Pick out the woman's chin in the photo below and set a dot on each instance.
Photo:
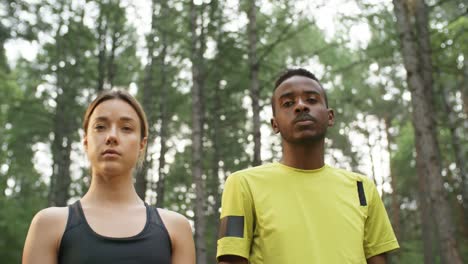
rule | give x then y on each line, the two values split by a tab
112	169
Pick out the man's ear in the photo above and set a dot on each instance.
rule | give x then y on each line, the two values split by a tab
331	117
274	125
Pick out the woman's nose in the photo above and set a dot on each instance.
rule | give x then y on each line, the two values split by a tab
112	137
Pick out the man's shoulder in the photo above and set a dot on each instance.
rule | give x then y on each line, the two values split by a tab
368	184
359	181
260	170
351	174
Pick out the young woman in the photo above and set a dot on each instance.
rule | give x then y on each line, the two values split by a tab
110	224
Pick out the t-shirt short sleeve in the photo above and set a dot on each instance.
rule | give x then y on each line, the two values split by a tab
378	232
236	219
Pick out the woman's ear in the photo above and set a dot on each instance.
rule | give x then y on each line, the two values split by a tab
85	142
143	143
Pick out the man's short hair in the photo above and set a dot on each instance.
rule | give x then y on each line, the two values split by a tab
295	72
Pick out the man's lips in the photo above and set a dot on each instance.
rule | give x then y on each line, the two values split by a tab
304	118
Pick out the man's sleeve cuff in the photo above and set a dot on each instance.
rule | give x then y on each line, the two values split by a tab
233	246
382	248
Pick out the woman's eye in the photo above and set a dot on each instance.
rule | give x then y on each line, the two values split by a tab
99	127
127	128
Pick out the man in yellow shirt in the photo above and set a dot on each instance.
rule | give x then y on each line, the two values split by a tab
300	210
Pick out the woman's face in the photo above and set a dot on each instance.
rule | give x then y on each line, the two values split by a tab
113	141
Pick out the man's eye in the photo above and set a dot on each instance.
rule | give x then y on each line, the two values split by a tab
288	103
311	100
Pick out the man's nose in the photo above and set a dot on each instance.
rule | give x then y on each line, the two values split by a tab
301	106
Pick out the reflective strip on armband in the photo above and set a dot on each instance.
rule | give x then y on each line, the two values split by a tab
231	226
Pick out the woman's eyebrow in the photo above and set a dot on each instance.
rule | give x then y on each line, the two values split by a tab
126	118
101	118
123	118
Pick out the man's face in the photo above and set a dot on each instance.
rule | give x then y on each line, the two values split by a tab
301	114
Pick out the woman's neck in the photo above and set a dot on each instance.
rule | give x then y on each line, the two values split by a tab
112	190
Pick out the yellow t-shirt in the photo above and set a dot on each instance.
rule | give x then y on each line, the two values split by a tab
277	214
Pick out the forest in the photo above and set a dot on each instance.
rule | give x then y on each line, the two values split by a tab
395	73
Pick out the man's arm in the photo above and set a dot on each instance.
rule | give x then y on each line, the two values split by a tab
237	222
378	259
379	237
230	259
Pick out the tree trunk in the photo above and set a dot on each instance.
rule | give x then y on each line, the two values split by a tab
427	150
424	46
216	125
215	164
102	32
197	135
393	181
115	32
254	82
371	156
3	59
458	151
217	157
160	187
61	148
464	125
164	117
395	211
464	89
148	104
426	218
141	180
61	145
111	64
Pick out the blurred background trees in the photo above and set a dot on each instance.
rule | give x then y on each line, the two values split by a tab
395	73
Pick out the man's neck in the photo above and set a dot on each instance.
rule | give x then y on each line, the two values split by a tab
304	156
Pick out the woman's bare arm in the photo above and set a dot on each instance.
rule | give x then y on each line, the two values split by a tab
183	247
44	236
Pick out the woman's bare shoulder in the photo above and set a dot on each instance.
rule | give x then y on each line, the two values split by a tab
180	232
52	214
171	217
52	219
44	235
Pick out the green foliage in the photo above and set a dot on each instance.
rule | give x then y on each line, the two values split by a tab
404	164
22	192
410	252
